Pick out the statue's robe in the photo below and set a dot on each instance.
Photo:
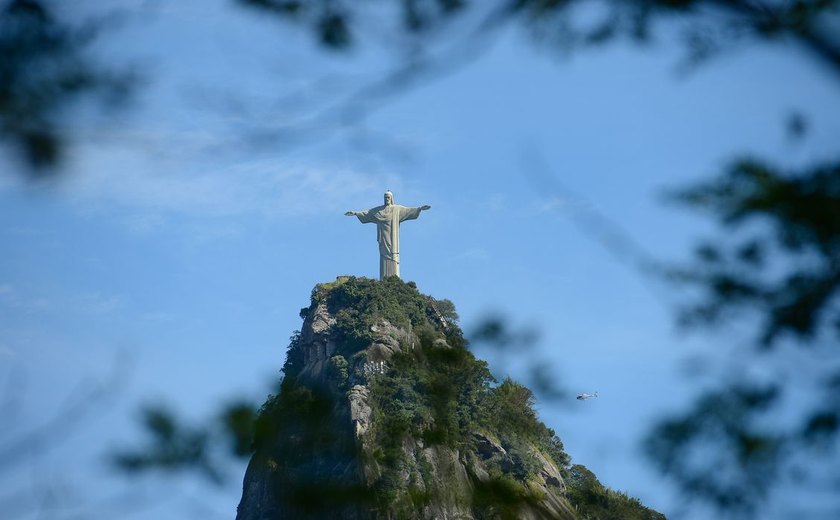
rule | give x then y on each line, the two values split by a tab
387	219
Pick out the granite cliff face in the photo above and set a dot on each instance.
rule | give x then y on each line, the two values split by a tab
384	413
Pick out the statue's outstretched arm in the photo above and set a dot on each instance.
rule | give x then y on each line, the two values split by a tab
409	213
364	217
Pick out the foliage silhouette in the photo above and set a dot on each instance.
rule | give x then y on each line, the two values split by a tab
595	502
44	71
777	262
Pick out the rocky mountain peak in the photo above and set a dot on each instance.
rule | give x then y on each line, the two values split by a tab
384	413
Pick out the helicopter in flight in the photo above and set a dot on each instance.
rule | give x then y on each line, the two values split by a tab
585	396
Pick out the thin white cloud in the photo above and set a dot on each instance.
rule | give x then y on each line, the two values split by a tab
97	303
158	316
197	234
7	351
475	253
11	298
496	202
554	204
144	223
566	204
266	188
24	231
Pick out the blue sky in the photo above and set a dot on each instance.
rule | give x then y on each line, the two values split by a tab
174	248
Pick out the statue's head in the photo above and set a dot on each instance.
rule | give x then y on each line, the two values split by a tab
389	198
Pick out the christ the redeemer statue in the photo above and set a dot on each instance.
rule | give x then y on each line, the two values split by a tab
387	219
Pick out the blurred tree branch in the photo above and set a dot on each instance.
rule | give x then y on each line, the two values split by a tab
44	72
789	269
777	263
76	408
86	403
173	446
45	69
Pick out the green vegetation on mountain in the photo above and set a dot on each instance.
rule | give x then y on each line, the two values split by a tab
593	501
433	394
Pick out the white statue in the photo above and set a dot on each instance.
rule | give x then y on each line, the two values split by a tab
387	219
